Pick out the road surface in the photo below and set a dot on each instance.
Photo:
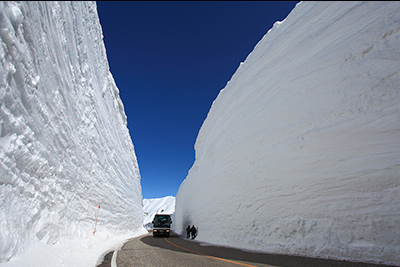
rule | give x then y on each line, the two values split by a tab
147	251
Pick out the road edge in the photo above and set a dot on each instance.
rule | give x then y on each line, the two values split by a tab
114	259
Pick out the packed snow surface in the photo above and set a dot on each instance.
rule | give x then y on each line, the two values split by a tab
69	178
151	207
300	152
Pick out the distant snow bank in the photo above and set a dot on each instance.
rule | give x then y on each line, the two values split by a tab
300	152
65	148
151	207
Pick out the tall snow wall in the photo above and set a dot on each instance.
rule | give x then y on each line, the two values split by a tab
300	152
65	148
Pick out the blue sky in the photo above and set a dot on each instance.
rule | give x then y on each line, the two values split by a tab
169	60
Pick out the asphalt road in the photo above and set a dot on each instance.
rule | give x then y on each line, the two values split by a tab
147	251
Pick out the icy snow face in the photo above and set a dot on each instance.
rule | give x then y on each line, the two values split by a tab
64	145
151	207
300	153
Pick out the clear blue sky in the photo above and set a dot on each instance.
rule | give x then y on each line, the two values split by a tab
169	60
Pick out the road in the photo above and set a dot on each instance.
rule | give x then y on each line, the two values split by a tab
147	251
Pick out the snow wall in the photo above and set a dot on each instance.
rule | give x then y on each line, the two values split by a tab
65	148
300	152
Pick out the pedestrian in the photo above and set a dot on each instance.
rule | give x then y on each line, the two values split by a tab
193	231
188	230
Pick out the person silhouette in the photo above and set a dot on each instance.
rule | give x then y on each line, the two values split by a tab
193	231
188	230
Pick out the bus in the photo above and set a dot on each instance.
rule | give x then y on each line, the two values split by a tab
162	225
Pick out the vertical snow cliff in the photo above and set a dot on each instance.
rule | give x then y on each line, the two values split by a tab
64	145
300	152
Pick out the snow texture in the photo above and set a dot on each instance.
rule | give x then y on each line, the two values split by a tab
65	147
151	207
300	152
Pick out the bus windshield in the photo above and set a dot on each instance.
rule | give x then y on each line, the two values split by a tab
162	221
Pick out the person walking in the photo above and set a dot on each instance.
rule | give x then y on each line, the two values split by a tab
188	230
193	231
